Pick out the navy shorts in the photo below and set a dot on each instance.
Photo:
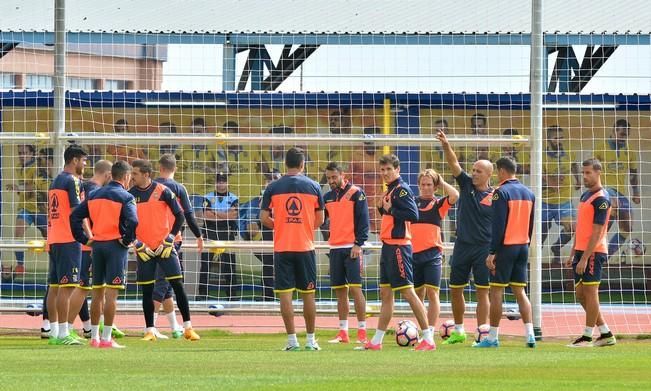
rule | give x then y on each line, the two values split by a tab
511	266
396	267
344	270
592	273
85	272
162	288
146	271
427	268
65	262
295	270
109	264
467	258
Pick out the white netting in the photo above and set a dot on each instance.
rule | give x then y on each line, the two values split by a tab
585	128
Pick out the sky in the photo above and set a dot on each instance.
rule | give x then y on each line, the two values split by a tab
401	68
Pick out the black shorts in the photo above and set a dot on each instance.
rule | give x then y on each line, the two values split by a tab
146	271
396	267
295	270
344	270
162	288
85	273
427	268
467	258
109	264
592	273
511	266
65	262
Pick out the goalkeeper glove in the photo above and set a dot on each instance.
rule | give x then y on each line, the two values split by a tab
167	247
144	252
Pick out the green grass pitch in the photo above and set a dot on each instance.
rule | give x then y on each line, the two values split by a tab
222	361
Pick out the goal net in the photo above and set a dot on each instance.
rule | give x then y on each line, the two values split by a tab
230	146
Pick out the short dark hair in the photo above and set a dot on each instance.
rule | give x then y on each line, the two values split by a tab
479	116
441	121
510	132
281	129
594	163
199	121
169	125
121	121
73	151
48	152
371	130
622	123
30	147
390	159
167	161
294	157
120	170
221	177
230	125
143	165
507	163
334	166
554	128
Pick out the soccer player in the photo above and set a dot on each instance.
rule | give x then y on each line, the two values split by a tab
111	211
220	215
426	239
101	176
474	216
433	157
162	289
297	206
619	163
590	252
155	245
347	209
513	206
399	211
64	295
559	167
25	185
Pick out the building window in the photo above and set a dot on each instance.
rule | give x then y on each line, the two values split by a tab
78	83
116	85
38	82
7	80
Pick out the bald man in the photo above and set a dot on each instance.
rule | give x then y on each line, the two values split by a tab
471	247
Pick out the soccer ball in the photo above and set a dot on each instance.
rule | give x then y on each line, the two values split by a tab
446	329
637	247
34	309
216	310
406	333
482	332
512	314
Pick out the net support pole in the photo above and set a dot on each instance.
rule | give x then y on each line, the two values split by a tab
536	87
228	67
59	112
386	123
